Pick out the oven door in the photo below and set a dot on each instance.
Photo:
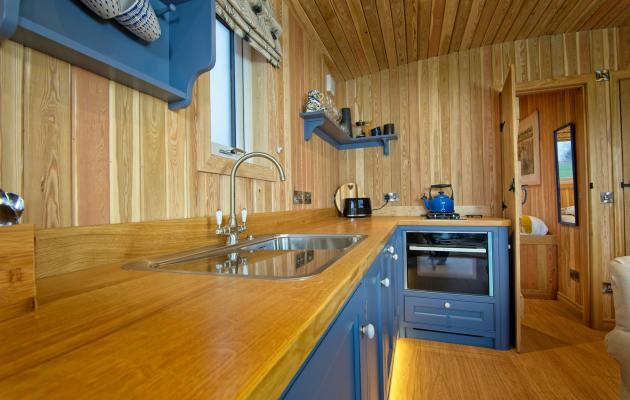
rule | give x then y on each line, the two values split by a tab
451	262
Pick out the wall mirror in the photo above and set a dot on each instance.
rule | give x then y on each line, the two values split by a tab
566	174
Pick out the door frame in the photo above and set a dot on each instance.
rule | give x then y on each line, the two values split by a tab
559	84
615	114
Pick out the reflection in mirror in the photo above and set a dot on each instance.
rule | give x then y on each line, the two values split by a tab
566	174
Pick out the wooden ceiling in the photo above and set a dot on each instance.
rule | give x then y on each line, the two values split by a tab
366	36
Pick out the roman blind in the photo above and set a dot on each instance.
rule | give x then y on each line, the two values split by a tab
254	21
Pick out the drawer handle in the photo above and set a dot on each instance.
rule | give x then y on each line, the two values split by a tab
368	330
448	249
447	305
385	282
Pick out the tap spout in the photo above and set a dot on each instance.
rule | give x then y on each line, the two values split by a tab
232	221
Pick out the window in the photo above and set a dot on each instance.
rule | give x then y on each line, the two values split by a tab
230	93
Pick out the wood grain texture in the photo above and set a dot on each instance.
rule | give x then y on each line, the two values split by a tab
124	154
602	248
563	359
132	159
400	31
539	267
17	271
445	110
510	175
90	148
557	109
47	141
109	325
85	247
11	140
153	158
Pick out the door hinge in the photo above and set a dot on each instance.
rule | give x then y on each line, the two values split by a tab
503	206
591	186
602	75
501	126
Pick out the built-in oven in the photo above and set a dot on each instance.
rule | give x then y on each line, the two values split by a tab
450	262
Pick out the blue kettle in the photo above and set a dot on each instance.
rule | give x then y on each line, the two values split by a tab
441	203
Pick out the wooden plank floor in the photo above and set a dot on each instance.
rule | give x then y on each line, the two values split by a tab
562	359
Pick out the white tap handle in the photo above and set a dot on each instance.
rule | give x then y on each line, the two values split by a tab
219	215
244	215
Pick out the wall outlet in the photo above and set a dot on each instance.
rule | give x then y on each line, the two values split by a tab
391	196
300	197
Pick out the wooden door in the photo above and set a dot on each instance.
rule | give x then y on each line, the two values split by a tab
624	119
510	187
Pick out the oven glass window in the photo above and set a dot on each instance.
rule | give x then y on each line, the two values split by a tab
449	262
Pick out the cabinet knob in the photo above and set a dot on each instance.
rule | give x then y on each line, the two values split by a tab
447	305
395	257
368	330
385	282
390	250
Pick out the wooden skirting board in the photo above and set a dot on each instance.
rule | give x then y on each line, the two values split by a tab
570	305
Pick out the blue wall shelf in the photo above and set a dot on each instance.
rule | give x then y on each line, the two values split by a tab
319	123
166	69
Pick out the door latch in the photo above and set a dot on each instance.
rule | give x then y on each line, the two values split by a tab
606	197
607	287
625	185
602	75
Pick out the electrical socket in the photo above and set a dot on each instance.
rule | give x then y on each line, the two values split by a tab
391	196
300	197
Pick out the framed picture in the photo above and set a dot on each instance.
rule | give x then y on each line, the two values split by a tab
529	149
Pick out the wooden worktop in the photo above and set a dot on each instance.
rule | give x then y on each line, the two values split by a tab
108	333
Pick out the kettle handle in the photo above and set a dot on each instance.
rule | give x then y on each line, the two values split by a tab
442	186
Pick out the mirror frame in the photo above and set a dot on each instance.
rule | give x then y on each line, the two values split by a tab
571	127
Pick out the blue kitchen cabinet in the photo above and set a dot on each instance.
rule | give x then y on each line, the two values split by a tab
390	260
371	377
345	363
333	370
455	285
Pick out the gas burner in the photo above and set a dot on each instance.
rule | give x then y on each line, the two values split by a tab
432	215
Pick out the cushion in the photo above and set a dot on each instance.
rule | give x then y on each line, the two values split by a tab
533	226
620	272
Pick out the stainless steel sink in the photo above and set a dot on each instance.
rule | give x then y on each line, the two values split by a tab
279	256
288	242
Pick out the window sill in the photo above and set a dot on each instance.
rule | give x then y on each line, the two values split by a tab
223	166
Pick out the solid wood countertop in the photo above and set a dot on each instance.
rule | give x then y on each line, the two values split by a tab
166	335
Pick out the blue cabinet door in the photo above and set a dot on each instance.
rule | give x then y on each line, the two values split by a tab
371	377
333	370
388	316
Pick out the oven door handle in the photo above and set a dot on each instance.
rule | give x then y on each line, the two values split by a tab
447	249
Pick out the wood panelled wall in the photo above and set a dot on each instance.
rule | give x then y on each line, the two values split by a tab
83	150
556	109
445	111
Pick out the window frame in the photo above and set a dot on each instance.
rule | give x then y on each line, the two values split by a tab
209	157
